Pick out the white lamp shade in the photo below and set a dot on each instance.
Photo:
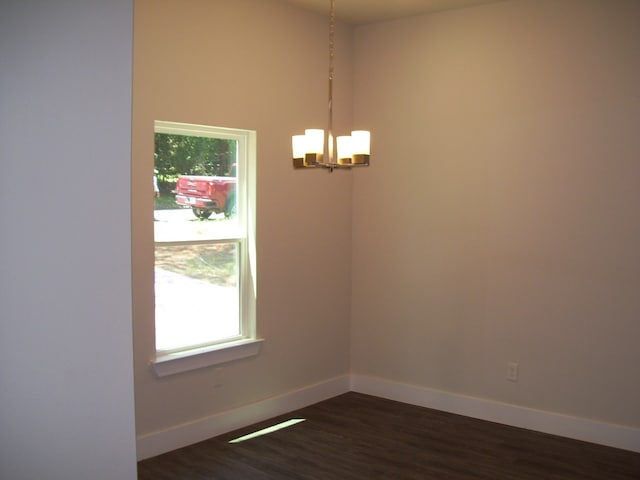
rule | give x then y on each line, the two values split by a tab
315	140
299	144
345	147
361	142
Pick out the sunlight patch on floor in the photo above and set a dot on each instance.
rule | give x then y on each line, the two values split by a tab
265	431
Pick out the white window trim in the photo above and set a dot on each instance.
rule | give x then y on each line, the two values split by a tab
187	360
247	345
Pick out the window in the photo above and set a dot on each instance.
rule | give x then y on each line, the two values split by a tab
204	235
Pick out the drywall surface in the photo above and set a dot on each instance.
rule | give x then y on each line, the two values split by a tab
260	66
66	363
499	219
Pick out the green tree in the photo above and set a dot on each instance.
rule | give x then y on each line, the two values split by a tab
188	155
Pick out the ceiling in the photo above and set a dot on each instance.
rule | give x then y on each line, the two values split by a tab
369	11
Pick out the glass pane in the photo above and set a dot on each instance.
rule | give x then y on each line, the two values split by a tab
195	180
197	294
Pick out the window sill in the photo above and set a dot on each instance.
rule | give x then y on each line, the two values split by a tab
173	363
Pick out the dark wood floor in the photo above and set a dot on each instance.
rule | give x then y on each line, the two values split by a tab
356	436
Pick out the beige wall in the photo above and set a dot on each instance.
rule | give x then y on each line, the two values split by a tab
499	220
259	65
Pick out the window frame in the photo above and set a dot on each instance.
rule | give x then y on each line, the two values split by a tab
246	344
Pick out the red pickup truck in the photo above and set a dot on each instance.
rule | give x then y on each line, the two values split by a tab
206	195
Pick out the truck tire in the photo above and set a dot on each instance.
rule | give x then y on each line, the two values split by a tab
201	213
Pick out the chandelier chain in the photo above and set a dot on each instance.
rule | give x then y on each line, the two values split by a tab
332	28
332	31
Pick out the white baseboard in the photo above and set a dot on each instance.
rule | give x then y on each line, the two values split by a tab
157	443
547	422
617	436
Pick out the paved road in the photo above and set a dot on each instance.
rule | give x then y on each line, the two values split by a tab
181	215
181	224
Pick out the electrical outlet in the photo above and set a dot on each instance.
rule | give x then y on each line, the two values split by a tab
512	371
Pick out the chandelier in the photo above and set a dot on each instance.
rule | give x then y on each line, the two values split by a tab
352	150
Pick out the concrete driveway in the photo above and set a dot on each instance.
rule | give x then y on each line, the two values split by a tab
191	311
